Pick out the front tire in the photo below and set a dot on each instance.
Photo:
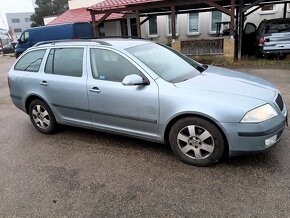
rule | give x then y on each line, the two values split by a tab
42	117
196	141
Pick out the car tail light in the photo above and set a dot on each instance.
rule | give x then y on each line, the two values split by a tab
261	41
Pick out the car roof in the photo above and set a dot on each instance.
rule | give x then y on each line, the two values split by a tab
277	20
119	43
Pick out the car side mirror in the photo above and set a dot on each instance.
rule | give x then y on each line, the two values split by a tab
134	80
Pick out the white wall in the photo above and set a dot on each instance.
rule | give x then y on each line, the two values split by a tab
204	24
46	20
182	26
73	4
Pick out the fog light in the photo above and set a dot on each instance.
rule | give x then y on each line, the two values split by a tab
270	141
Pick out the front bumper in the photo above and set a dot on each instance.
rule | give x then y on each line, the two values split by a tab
245	138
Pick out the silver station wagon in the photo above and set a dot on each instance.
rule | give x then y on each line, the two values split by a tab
147	90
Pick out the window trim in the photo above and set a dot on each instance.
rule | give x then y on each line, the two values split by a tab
64	47
193	33
148	29
211	32
274	11
167	26
127	57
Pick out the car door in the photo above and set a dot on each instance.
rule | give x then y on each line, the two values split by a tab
249	39
126	109
63	84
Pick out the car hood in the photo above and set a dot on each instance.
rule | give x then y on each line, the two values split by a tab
223	80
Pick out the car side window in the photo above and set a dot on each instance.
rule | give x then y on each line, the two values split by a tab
31	61
110	66
65	62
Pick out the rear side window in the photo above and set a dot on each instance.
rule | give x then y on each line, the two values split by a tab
31	61
278	27
65	62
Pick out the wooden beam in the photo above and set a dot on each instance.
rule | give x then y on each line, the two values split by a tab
145	20
173	23
255	9
255	3
163	4
218	7
138	23
93	16
285	10
103	19
241	27
232	23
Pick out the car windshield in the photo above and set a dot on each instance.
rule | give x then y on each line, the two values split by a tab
166	62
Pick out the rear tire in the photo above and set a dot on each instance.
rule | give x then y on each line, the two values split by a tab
196	141
42	117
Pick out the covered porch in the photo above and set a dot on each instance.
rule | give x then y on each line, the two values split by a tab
142	11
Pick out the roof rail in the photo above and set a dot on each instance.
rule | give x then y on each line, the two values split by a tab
71	40
123	37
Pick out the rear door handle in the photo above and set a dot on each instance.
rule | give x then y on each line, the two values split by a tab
95	90
44	83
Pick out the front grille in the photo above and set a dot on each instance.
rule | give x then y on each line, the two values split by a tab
279	102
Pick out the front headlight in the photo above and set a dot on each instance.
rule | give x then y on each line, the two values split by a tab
259	114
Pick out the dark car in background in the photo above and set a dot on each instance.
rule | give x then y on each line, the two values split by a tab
271	38
9	48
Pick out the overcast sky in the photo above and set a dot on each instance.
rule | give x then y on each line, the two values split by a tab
14	6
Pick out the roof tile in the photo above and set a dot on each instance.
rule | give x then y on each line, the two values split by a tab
80	15
107	4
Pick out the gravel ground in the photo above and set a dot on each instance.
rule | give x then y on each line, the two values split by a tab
83	173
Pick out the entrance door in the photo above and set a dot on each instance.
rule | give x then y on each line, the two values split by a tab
133	25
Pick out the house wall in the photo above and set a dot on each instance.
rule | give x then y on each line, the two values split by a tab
204	24
112	28
258	15
73	4
18	27
46	20
182	28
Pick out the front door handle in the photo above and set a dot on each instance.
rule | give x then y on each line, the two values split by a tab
95	90
44	83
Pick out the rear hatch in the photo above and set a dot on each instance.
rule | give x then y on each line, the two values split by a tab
277	36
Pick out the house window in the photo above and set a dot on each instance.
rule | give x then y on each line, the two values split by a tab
216	16
193	23
169	27
268	9
27	20
153	26
15	20
17	30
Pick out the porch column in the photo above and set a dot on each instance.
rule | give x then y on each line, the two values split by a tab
232	23
285	10
93	16
241	27
173	22
138	23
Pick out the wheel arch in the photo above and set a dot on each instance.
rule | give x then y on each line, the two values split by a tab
210	119
31	98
